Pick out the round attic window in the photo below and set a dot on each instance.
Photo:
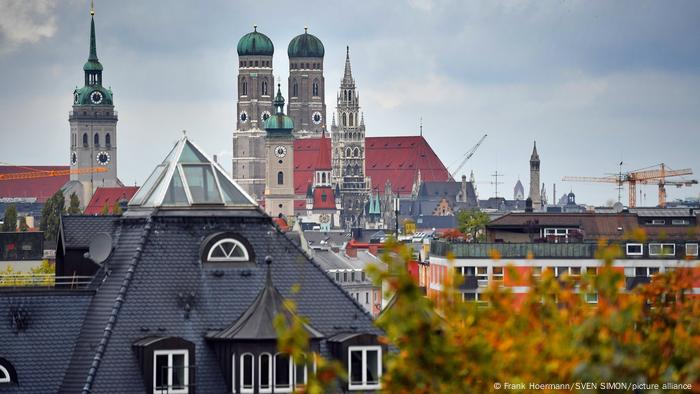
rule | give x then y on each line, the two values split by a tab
228	249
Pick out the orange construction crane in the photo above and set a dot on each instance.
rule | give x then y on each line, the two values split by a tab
656	175
46	174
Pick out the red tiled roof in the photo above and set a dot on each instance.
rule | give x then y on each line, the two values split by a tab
107	196
324	154
319	203
397	159
40	188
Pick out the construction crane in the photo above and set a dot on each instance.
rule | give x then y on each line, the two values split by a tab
467	156
653	175
49	173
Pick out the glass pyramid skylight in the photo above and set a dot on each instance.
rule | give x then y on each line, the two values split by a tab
188	178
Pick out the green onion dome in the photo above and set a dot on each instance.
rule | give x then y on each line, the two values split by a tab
255	44
92	95
305	45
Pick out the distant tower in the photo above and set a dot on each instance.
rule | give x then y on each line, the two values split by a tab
93	129
519	191
307	97
348	153
255	90
535	179
543	196
279	148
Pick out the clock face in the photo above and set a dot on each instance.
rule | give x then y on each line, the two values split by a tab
244	117
73	158
281	151
96	97
325	218
316	117
76	97
265	115
103	158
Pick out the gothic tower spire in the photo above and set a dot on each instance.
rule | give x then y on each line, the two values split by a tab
347	75
535	194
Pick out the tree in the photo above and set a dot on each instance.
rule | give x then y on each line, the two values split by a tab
648	336
23	224
51	215
74	205
473	222
117	208
10	220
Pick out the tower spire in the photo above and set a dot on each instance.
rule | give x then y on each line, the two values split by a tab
347	75
93	42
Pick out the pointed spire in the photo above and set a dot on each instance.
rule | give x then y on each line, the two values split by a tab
93	42
534	156
333	122
279	100
347	76
362	119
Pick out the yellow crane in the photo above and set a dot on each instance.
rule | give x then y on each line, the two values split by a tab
654	175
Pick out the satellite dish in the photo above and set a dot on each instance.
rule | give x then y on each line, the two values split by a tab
100	247
618	207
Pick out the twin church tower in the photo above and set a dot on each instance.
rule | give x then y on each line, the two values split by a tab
307	110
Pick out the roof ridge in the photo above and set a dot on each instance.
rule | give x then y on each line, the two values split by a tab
116	307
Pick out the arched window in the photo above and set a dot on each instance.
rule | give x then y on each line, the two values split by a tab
228	249
314	88
4	375
283	372
244	88
264	88
345	120
96	140
352	116
345	95
295	89
347	152
108	140
265	373
356	152
323	177
280	178
85	139
246	373
8	374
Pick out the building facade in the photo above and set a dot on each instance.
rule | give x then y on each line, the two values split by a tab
255	91
279	148
93	131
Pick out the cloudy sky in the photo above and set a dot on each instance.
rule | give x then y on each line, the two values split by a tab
594	82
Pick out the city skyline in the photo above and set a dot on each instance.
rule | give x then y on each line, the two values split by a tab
591	91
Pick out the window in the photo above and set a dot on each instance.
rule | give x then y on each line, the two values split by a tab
498	274
656	222
680	222
592	298
364	367
283	373
635	249
658	249
244	88
300	372
228	249
337	276
263	88
645	271
85	139
4	375
280	178
691	249
170	371
295	89
265	373
575	271
96	140
247	367
536	272
314	88
482	276
108	140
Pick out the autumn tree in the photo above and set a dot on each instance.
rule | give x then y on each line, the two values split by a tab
117	208
473	222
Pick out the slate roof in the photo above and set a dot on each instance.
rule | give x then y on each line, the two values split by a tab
41	352
78	230
40	188
397	159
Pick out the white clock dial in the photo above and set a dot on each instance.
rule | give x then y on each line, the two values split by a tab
244	117
96	97
281	151
102	158
316	117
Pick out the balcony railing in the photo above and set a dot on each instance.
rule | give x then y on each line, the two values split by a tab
515	250
33	281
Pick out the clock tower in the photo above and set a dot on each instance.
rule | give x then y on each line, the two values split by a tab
93	131
279	148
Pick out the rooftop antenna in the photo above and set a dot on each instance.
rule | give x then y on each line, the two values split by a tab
421	126
495	182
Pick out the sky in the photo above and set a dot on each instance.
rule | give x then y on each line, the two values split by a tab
593	82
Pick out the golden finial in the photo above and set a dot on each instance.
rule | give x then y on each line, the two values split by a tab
92	8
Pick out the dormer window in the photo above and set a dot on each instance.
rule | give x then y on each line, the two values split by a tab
228	249
7	372
170	371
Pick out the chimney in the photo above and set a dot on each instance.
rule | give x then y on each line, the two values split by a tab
528	205
216	159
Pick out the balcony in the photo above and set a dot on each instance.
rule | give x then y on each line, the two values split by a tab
513	251
469	283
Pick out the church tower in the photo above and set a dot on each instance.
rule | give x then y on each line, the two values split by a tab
93	131
279	148
307	97
255	89
348	139
535	179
